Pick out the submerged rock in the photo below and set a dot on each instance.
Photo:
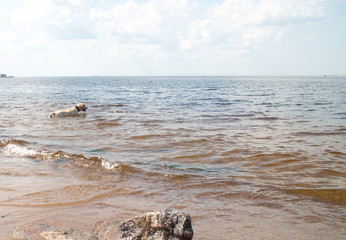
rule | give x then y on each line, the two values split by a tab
165	225
46	232
107	229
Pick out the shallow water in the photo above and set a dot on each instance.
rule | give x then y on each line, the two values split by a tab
247	157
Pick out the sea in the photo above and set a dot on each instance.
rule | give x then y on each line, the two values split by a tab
248	157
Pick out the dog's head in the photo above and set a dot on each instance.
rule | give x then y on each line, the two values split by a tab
81	107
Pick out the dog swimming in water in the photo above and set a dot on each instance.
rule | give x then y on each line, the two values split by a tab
72	111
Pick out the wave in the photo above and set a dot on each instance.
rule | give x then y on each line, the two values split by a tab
108	124
322	103
328	195
21	151
17	148
148	136
322	133
66	196
6	141
109	165
266	118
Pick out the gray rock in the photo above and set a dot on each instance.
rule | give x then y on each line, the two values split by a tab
107	229
166	225
46	232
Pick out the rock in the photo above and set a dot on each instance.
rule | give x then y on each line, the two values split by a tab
46	232
107	229
166	225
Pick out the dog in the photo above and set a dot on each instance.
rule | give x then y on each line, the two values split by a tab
72	111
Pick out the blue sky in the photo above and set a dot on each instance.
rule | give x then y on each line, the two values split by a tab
172	37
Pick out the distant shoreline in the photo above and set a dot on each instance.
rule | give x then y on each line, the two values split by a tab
5	76
183	76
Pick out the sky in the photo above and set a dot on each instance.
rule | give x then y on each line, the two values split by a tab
172	37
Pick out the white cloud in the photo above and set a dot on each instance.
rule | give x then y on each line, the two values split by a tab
77	3
50	18
135	19
161	25
147	30
142	29
242	25
128	19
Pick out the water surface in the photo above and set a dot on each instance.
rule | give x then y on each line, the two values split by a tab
247	157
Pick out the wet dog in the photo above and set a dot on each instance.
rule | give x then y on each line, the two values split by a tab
72	111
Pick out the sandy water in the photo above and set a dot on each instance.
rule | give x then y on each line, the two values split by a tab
247	157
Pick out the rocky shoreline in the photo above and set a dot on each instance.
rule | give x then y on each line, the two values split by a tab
168	224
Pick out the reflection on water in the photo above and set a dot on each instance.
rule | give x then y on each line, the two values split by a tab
248	157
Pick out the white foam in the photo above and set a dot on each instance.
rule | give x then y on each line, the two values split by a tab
109	165
19	151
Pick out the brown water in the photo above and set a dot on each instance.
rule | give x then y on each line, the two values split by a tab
247	157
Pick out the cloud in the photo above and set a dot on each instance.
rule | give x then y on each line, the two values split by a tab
149	27
75	3
238	26
70	32
58	19
233	26
148	30
128	19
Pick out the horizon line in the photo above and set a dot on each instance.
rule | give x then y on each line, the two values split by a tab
205	75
